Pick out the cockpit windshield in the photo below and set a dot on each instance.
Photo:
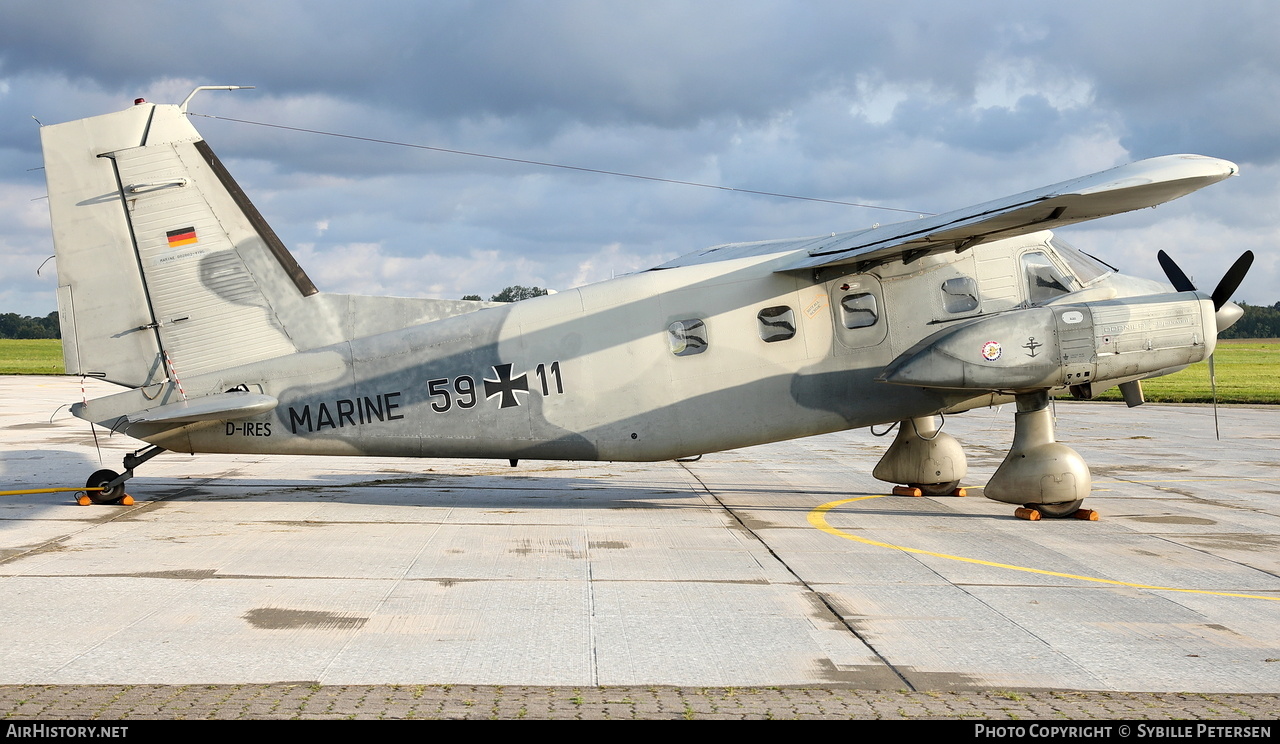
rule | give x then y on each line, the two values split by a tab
1086	268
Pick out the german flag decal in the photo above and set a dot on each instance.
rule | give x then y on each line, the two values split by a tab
182	236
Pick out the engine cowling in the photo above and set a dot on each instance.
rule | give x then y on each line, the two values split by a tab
1063	345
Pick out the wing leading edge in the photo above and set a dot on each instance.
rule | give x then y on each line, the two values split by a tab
1145	183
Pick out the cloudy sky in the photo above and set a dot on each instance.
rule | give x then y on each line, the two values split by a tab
925	106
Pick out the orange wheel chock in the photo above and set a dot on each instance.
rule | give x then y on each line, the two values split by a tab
960	493
126	500
907	491
1031	515
1088	515
84	500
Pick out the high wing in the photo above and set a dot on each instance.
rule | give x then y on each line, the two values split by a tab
1145	183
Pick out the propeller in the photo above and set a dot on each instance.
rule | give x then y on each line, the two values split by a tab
1178	279
1231	280
1222	293
1225	311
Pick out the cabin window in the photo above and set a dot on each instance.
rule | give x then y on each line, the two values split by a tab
1044	280
776	324
687	337
960	294
859	310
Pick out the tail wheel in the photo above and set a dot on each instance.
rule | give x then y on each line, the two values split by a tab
100	479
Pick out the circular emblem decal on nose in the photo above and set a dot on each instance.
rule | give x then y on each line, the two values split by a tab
991	351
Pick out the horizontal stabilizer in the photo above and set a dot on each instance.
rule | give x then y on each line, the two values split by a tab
1145	183
222	406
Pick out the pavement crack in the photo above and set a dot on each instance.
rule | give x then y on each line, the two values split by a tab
821	597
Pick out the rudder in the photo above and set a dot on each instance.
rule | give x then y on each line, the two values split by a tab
159	252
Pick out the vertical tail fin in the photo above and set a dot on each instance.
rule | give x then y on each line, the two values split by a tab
160	252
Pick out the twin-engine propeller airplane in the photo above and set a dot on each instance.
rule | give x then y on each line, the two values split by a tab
171	284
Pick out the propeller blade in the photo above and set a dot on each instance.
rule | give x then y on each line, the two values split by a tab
1213	384
1231	281
1178	279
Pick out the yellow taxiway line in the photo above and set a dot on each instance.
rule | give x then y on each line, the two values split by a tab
47	490
818	518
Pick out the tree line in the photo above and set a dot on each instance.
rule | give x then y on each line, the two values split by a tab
512	294
1259	321
13	325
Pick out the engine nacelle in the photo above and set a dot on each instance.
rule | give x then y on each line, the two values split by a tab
1063	345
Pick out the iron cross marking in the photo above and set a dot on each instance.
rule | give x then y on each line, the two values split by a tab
505	386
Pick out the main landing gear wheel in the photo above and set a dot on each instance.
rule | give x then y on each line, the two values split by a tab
1058	511
1048	478
937	489
99	479
929	460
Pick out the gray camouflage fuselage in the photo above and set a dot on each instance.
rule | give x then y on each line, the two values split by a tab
172	284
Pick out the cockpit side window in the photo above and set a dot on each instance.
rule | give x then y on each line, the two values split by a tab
1045	281
1086	268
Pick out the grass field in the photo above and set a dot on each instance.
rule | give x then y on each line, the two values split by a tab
1248	371
36	357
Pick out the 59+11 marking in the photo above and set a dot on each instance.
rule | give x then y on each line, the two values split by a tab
461	390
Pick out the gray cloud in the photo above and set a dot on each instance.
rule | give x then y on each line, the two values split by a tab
918	105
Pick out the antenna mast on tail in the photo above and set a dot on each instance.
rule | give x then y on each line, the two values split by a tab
183	106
